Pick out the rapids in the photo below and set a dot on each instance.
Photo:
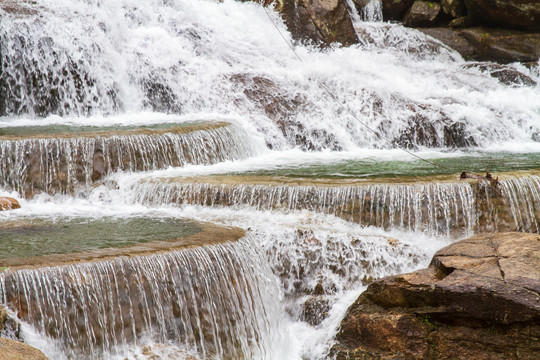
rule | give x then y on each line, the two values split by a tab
327	205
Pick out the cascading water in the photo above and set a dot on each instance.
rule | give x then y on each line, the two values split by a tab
210	300
281	292
70	164
95	57
455	209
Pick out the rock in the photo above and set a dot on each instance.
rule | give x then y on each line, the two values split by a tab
318	21
504	73
454	8
282	108
478	299
315	310
503	46
453	39
461	22
395	9
16	350
518	14
8	203
422	14
423	130
486	44
9	327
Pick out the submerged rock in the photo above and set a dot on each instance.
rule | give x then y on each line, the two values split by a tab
503	73
479	299
315	309
8	203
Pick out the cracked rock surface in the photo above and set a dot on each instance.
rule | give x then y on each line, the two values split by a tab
479	298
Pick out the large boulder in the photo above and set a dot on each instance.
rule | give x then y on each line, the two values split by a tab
318	21
519	14
422	13
488	44
479	299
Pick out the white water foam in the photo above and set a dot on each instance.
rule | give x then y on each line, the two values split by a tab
139	56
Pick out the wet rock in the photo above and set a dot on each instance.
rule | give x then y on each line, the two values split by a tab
422	14
160	97
454	8
282	108
479	298
395	9
503	73
315	309
503	46
317	21
422	129
461	22
9	327
521	14
487	44
8	203
16	350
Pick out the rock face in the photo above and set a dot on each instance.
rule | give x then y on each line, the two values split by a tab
486	44
519	14
322	22
318	21
8	203
479	299
422	13
16	350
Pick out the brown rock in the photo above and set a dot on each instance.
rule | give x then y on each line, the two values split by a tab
454	8
503	46
460	22
487	44
8	203
422	14
315	310
16	350
519	14
505	74
395	9
318	21
479	299
453	39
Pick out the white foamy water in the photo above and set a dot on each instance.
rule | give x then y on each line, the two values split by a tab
133	56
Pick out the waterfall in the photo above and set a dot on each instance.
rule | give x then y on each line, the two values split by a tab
372	11
217	301
87	58
71	164
133	73
453	209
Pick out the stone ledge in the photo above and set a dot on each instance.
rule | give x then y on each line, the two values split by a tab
478	299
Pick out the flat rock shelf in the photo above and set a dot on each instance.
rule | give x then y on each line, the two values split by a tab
38	243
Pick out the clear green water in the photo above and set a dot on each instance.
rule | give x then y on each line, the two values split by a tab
57	129
478	163
43	237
